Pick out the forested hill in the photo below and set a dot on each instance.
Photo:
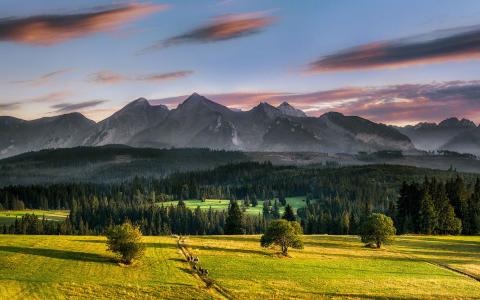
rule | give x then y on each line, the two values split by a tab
112	163
337	199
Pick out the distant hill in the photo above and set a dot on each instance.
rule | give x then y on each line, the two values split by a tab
109	163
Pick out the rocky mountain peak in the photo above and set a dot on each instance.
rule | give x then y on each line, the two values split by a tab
456	123
289	110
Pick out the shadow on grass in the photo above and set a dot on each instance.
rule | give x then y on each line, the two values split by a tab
152	245
230	238
440	245
92	241
177	260
186	270
231	250
360	296
60	254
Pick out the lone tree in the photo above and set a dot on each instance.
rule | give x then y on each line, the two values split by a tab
377	229
283	233
126	241
289	215
234	221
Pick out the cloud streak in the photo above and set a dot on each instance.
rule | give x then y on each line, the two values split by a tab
47	30
219	29
437	47
9	106
71	107
109	77
43	78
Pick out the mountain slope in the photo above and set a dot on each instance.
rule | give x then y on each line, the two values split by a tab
18	136
125	123
465	142
432	136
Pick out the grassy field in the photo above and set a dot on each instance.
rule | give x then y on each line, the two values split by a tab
8	216
222	204
58	267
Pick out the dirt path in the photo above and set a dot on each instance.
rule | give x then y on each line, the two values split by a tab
210	283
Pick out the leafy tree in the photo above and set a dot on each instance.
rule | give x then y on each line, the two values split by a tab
289	215
283	233
125	240
234	223
377	229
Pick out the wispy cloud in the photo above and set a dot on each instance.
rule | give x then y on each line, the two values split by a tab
440	46
220	28
72	107
52	29
43	78
106	77
164	76
9	106
109	77
52	97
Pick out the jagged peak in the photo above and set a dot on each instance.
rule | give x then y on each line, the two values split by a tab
264	105
289	110
195	98
455	122
139	102
284	103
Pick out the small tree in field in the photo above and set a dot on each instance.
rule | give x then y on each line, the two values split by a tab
377	229
283	233
126	241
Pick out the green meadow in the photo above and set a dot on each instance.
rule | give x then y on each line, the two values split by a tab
338	267
222	204
9	216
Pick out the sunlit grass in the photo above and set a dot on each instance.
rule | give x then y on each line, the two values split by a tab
222	204
335	266
9	216
75	267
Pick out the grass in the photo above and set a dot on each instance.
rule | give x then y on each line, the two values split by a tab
222	204
58	267
74	267
9	216
339	267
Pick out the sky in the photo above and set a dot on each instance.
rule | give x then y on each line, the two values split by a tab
396	61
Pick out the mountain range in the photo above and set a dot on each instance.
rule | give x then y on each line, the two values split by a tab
201	123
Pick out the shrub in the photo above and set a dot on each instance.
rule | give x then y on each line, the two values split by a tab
126	241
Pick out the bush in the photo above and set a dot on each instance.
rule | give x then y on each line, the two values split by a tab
284	234
126	241
377	229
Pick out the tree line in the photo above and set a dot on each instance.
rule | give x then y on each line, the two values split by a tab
337	201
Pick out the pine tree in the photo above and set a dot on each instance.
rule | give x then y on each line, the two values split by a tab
289	215
275	210
427	214
234	224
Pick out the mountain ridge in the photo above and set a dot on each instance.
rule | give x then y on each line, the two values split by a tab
201	122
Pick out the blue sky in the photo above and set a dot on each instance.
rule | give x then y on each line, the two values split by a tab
274	59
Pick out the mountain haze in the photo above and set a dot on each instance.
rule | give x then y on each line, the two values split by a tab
202	123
